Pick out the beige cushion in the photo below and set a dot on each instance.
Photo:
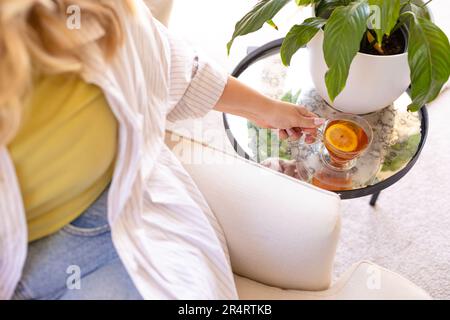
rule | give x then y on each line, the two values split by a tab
364	280
280	231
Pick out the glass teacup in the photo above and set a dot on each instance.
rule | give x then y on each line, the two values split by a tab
340	142
345	138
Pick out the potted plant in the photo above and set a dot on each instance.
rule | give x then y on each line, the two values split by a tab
364	53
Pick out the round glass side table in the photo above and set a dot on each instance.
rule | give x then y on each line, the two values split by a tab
399	135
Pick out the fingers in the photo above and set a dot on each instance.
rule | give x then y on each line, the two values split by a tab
288	168
306	122
291	134
283	134
310	131
294	133
309	122
310	139
308	119
305	112
311	135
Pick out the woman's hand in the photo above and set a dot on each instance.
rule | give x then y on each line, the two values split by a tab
290	119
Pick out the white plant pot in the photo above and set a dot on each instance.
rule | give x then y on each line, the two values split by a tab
374	82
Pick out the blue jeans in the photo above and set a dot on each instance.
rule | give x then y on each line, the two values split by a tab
76	263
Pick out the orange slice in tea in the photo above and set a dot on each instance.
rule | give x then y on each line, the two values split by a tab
341	137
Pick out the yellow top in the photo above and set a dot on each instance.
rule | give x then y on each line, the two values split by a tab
64	154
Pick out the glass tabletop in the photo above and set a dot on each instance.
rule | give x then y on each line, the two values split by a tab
397	133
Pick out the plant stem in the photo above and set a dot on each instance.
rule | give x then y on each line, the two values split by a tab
426	3
376	45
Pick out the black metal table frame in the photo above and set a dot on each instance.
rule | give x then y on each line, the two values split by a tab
374	190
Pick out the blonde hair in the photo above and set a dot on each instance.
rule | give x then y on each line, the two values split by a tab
34	39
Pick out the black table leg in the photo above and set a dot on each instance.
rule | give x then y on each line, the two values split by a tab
373	200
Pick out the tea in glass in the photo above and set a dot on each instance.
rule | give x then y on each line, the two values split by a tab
345	140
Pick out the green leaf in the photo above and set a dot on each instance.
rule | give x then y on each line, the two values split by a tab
416	6
262	12
343	33
419	11
305	2
386	16
299	36
324	8
272	24
429	61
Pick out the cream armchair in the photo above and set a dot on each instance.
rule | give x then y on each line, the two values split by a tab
281	233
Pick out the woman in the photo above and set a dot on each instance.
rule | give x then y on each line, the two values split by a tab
110	212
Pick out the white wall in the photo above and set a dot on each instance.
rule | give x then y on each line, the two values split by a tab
209	24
